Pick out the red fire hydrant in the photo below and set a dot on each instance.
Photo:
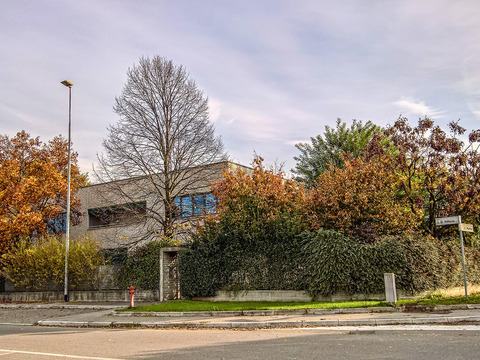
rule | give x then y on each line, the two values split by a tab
132	296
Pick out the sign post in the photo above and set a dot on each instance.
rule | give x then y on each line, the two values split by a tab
463	259
454	220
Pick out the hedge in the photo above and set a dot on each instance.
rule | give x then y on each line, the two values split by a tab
283	257
228	257
141	266
41	264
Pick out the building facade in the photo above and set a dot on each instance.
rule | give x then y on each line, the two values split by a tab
126	213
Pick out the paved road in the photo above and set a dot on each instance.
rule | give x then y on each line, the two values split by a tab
405	342
82	316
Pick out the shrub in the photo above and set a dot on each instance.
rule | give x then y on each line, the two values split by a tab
338	263
141	267
225	256
324	262
41	264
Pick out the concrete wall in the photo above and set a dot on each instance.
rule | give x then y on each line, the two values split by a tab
80	296
295	296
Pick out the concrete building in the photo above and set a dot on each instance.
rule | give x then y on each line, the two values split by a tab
129	212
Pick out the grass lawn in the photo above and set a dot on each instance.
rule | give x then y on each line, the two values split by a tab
442	300
189	305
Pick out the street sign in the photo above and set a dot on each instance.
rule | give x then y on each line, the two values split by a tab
450	220
465	227
453	220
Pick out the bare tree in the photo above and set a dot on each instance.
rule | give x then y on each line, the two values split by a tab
162	147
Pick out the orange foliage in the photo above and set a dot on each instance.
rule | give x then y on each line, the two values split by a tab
33	185
258	195
363	194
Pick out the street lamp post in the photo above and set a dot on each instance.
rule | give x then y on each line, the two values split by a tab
69	84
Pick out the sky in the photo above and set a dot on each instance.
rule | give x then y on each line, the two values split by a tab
275	72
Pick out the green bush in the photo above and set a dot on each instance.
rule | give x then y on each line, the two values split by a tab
282	257
141	267
225	256
338	263
41	265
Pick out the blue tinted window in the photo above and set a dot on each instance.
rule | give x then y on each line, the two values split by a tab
177	202
195	205
57	225
210	204
186	206
198	205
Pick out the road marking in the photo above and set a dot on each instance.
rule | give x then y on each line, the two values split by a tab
389	328
56	355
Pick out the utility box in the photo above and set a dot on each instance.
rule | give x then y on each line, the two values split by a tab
390	288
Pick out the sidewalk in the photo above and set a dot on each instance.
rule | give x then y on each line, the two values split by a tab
104	315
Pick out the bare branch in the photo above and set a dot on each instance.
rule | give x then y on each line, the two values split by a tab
163	145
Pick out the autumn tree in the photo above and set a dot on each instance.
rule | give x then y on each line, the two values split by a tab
252	241
439	174
360	200
256	196
33	186
315	157
161	147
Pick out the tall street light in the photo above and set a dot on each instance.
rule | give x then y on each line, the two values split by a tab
69	84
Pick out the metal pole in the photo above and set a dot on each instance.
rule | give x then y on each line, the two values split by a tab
160	283
67	230
463	257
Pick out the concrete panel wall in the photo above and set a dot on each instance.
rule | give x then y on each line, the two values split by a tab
80	296
294	296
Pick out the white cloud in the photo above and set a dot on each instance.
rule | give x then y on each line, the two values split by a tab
274	71
295	142
419	108
21	117
215	109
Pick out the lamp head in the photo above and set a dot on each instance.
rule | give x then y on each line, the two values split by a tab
67	83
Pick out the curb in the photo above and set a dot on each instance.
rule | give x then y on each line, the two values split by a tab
242	317
437	308
62	306
419	308
265	324
177	314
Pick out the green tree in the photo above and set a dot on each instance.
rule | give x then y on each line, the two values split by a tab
140	267
316	156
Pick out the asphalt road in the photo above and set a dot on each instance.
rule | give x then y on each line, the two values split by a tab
407	342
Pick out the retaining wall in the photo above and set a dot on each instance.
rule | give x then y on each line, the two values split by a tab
296	296
79	296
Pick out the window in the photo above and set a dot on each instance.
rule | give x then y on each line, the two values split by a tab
57	225
195	205
117	215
